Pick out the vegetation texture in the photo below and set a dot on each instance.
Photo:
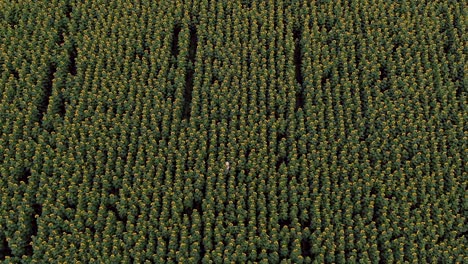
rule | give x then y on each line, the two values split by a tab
211	131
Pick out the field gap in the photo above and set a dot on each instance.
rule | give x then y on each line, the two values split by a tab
68	10
306	248
25	174
115	211
190	209
175	42
37	210
383	72
61	38
91	229
15	73
61	106
461	234
297	34
201	228
284	222
192	50
279	161
5	250
325	77
72	54
246	4
47	91
383	77
114	190
459	90
36	213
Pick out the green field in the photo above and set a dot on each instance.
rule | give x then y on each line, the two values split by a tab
233	131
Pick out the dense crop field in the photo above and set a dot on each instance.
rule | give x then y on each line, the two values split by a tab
233	131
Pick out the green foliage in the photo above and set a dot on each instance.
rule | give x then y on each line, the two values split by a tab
343	123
